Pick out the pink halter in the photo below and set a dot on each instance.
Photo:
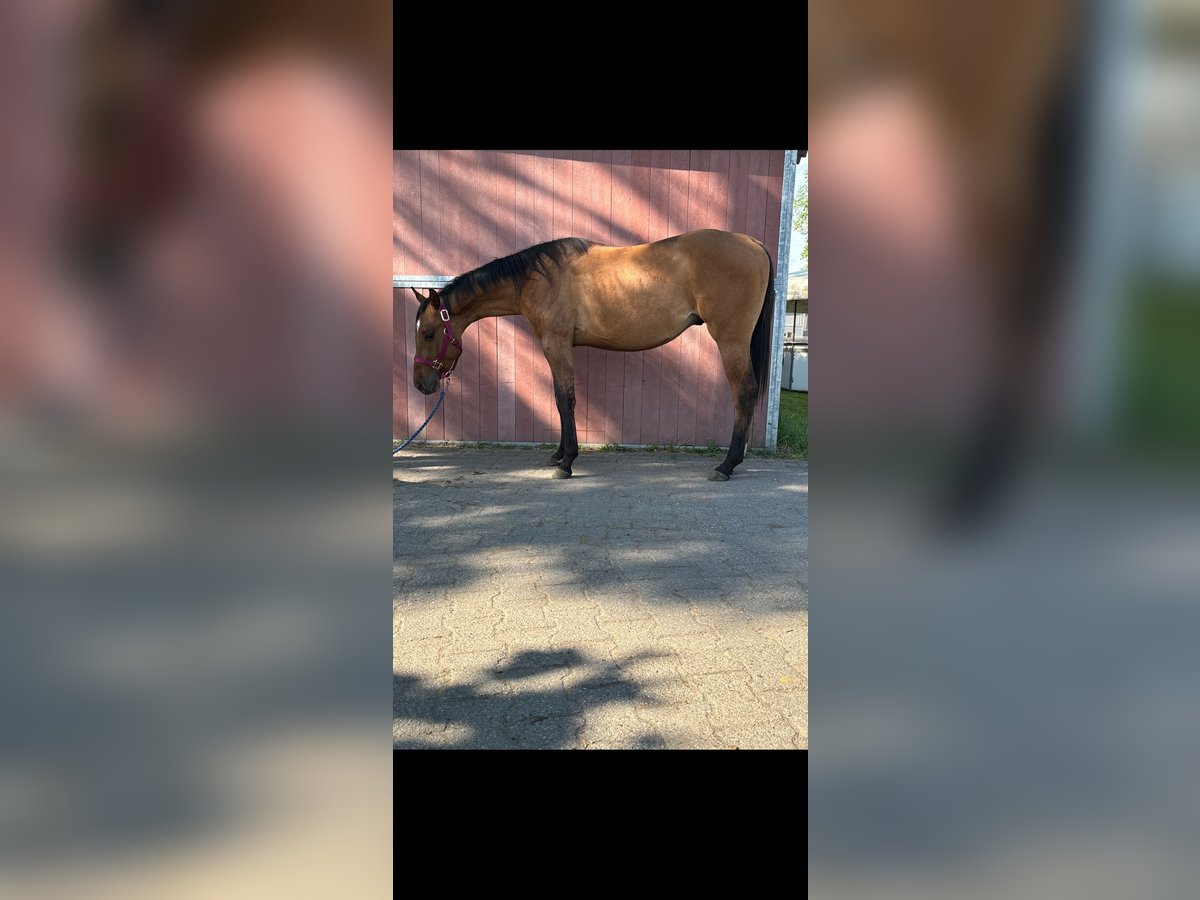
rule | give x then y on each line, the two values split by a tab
440	363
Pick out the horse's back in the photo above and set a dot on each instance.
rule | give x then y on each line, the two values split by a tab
686	262
644	295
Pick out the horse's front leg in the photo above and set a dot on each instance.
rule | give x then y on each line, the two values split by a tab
562	368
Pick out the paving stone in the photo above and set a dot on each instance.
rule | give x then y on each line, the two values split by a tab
672	621
551	733
791	705
613	727
758	736
413	628
683	725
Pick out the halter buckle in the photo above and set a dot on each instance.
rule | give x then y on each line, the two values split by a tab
445	314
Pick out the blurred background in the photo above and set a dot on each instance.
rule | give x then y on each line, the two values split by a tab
195	354
1005	444
194	369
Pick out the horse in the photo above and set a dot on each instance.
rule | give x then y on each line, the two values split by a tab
578	293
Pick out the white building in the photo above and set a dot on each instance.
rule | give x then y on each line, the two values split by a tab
795	332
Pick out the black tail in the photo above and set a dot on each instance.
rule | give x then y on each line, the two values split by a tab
760	340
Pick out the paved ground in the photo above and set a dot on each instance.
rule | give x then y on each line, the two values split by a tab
634	605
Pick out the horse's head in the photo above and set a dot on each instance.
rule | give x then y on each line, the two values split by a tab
437	345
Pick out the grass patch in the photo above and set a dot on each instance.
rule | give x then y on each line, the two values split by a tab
1160	375
792	441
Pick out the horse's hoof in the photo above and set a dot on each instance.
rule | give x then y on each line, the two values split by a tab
561	473
553	462
718	475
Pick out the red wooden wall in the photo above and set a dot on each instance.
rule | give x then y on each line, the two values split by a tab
454	210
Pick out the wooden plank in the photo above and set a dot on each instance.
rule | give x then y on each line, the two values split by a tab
541	401
640	211
677	211
774	202
492	247
658	227
621	220
756	202
689	341
660	194
548	430
406	239
454	171
739	181
718	196
698	190
486	201
639	233
506	364
401	227
399	363
614	396
506	335
691	379
406	247
416	400
712	168
736	193
722	204
525	231
600	414
406	209
430	219
620	234
431	214
710	373
631	403
674	377
580	357
506	398
467	257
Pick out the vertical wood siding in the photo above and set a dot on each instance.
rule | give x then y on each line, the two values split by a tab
454	210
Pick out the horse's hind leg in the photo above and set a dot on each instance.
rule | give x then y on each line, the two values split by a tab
745	394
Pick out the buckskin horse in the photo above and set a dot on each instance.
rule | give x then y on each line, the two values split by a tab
581	293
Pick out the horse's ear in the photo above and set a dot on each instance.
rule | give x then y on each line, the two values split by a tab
418	293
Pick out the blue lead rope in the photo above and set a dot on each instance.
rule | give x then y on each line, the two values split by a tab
423	424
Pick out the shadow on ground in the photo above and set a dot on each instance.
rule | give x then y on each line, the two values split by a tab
463	518
525	704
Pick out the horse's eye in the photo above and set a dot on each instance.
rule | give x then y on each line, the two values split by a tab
429	335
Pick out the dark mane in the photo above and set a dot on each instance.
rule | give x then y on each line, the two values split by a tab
515	269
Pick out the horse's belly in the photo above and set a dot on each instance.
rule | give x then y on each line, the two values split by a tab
644	333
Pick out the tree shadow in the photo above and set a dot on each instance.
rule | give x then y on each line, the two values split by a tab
502	708
646	525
